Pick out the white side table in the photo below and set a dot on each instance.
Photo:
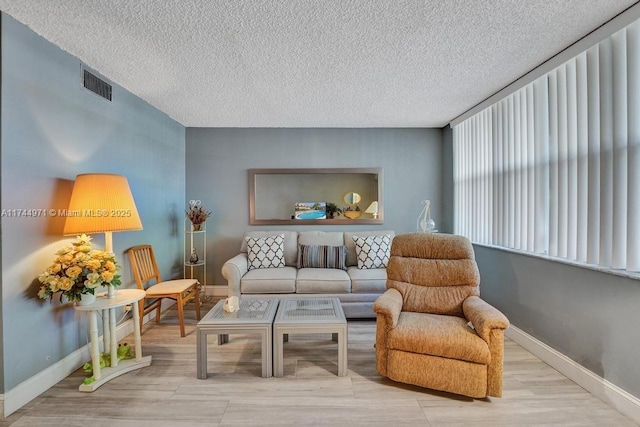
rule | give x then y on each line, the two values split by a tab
108	307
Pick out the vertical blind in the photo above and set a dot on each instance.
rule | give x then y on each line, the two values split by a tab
554	168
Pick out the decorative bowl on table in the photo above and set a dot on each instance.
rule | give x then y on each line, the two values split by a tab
352	214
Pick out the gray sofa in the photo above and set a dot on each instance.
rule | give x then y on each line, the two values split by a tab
357	288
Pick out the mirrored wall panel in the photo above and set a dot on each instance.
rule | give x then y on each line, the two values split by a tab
316	196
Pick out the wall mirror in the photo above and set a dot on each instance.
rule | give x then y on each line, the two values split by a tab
352	198
300	196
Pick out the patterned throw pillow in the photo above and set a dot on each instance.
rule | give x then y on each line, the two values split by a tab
311	256
372	251
265	252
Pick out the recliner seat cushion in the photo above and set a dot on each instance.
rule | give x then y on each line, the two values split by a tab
437	335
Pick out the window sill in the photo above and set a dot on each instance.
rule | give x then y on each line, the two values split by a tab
615	272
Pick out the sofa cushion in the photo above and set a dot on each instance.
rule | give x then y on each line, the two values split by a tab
290	243
322	281
265	252
269	281
373	280
324	238
315	256
351	245
372	251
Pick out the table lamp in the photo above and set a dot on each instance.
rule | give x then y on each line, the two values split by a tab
373	209
101	203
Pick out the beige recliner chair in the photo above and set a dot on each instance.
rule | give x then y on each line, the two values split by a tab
432	329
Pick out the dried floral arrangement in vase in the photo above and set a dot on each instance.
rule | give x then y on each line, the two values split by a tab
197	214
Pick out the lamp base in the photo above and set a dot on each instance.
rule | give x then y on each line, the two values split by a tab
111	291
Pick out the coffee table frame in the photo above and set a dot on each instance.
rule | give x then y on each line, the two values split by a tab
334	323
219	322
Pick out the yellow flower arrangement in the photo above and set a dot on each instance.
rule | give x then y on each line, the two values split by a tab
77	270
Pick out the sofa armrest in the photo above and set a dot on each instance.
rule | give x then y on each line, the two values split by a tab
483	316
389	306
233	270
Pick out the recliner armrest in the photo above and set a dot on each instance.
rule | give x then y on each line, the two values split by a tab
389	305
233	270
483	316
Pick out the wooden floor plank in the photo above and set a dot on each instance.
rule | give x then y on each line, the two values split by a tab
167	393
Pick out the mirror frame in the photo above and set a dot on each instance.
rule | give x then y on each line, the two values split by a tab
253	173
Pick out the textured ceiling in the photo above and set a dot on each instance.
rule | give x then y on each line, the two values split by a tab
311	63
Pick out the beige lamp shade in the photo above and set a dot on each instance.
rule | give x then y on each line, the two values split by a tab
101	203
373	209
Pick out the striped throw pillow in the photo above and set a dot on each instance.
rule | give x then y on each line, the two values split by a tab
312	256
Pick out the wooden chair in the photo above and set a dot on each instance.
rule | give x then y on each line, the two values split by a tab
147	277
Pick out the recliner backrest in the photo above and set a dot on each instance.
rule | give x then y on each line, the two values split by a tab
434	272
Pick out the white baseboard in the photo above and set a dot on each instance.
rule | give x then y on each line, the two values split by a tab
216	290
609	393
31	388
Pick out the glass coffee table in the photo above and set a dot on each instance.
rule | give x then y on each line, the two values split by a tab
309	316
255	316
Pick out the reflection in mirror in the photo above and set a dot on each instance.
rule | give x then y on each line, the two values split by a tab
352	198
274	194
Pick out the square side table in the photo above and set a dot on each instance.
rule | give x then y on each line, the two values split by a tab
309	316
255	316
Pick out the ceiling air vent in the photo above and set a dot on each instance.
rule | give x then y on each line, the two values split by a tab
96	85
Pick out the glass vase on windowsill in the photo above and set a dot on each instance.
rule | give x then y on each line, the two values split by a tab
426	224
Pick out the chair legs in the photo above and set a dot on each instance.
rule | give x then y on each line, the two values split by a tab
197	301
180	302
158	307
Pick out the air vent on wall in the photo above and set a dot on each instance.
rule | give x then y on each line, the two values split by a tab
96	85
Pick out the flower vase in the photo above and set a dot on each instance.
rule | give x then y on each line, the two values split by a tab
193	259
111	291
87	299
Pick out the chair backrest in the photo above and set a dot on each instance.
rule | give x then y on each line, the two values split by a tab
143	265
434	272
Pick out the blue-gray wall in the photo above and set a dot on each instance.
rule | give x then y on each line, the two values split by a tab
52	130
218	159
587	315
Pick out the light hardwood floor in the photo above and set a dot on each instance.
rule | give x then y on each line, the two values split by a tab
167	393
